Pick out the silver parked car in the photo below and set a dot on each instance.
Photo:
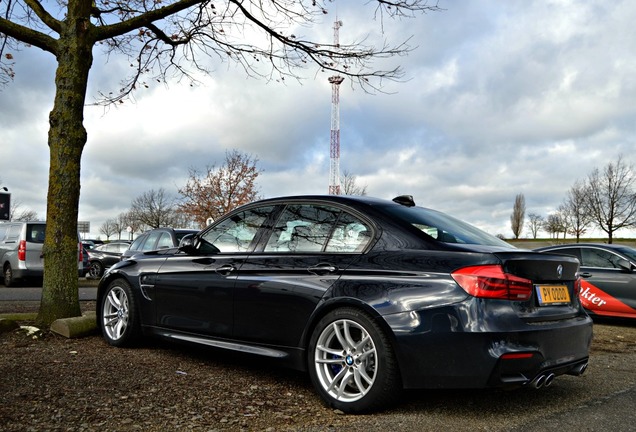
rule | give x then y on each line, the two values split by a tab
21	251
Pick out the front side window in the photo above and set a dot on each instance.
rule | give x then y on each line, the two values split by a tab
307	228
591	257
234	234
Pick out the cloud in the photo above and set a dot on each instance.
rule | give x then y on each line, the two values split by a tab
498	98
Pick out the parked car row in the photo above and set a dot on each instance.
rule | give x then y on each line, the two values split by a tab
369	296
21	250
103	256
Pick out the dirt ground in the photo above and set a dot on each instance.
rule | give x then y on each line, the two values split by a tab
55	384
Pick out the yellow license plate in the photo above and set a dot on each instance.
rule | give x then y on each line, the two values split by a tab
553	294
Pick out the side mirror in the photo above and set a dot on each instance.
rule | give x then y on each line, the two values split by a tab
187	244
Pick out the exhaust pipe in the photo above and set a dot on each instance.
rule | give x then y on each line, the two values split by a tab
538	382
548	380
578	370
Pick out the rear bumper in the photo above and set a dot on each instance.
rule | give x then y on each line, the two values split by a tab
19	273
38	274
443	348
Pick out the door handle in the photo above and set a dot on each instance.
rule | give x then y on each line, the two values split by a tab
586	275
322	268
225	269
203	261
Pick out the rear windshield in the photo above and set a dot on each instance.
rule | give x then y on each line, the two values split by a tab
443	227
35	233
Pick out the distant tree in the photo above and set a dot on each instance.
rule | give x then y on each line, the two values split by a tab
535	222
219	190
154	209
18	214
610	197
26	215
518	215
120	224
109	228
574	210
553	225
565	223
350	187
130	221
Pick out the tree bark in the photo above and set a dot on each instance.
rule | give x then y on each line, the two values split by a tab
67	137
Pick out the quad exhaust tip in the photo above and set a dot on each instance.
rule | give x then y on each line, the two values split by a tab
578	370
544	380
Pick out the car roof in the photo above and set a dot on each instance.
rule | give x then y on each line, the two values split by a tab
342	199
571	245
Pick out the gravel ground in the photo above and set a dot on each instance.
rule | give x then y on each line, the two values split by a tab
55	384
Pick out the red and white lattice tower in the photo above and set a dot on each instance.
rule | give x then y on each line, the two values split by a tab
334	152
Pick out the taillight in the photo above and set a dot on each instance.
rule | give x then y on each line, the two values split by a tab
490	281
81	252
22	250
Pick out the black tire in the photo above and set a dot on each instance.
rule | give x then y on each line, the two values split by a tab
7	276
95	269
348	375
118	316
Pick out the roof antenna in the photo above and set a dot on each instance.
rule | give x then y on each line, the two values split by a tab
405	200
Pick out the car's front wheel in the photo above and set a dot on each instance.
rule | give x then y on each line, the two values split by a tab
95	269
351	362
118	314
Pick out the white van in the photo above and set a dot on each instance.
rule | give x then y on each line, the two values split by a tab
21	251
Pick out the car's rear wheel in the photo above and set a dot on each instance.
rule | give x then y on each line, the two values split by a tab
118	314
351	362
95	269
7	276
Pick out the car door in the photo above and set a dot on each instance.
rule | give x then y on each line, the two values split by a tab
607	288
281	283
194	291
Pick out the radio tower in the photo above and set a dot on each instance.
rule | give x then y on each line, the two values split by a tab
336	80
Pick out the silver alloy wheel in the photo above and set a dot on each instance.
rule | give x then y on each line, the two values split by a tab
346	360
115	313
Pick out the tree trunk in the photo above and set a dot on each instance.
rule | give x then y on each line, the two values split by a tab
67	138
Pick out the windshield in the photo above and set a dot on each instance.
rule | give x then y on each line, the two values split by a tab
443	227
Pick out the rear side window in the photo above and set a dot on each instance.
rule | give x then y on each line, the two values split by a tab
35	233
14	233
317	228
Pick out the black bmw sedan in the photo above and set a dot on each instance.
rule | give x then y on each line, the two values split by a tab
369	296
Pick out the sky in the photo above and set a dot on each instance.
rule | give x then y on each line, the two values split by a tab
499	98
